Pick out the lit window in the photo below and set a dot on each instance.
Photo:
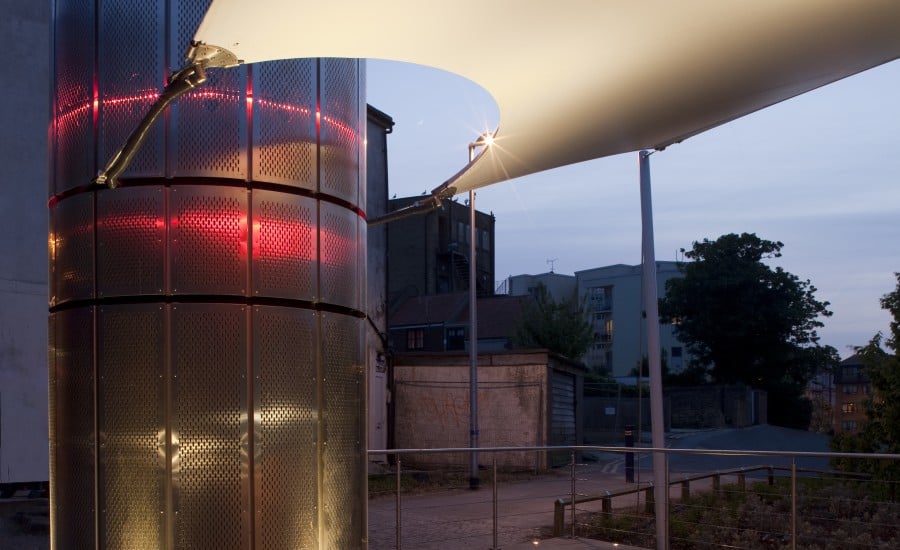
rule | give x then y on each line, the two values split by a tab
415	339
848	407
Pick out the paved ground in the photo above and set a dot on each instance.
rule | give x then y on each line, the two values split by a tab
464	519
24	524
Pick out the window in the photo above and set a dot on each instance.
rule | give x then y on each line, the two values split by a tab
848	425
456	338
485	239
848	407
850	389
676	351
601	298
415	339
850	373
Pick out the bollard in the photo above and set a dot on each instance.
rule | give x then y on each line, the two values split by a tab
629	456
559	517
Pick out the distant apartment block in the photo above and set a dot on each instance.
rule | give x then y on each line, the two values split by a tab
611	297
852	389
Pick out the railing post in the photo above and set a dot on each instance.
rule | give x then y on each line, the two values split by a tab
794	503
649	500
398	522
685	489
771	471
573	492
742	481
495	547
607	504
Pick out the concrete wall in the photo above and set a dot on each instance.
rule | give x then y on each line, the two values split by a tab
25	112
432	406
715	407
378	126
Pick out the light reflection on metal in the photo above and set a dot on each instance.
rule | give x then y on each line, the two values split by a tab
194	364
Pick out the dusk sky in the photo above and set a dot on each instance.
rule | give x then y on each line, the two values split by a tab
820	173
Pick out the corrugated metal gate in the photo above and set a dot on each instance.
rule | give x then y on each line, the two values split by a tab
562	414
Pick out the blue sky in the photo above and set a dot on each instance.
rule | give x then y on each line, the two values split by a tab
820	172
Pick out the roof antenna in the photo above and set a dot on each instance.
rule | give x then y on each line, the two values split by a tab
551	262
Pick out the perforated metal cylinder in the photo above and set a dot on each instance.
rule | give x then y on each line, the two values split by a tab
206	334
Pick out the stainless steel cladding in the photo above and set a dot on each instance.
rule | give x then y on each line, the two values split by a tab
206	333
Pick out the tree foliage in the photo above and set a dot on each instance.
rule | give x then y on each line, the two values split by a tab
748	323
559	327
881	433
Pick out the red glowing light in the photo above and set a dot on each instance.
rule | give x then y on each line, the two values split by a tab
284	107
148	96
283	240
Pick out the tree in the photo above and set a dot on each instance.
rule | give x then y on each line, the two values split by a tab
559	327
881	433
748	323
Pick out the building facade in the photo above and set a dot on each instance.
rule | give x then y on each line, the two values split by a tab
379	126
429	253
611	298
25	36
852	390
440	322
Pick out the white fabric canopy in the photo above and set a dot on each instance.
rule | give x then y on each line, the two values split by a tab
576	80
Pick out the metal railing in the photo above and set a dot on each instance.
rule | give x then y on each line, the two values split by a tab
571	493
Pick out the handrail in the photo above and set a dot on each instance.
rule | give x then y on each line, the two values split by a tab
559	505
606	497
643	450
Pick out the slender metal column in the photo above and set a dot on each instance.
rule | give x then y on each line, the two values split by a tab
651	309
473	344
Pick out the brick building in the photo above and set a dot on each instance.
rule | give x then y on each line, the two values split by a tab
852	389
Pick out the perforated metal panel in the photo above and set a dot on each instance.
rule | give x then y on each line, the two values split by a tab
338	255
186	380
284	122
131	235
185	18
72	441
342	420
210	128
284	367
209	426
74	94
208	232
340	129
131	423
129	83
284	245
53	343
71	250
